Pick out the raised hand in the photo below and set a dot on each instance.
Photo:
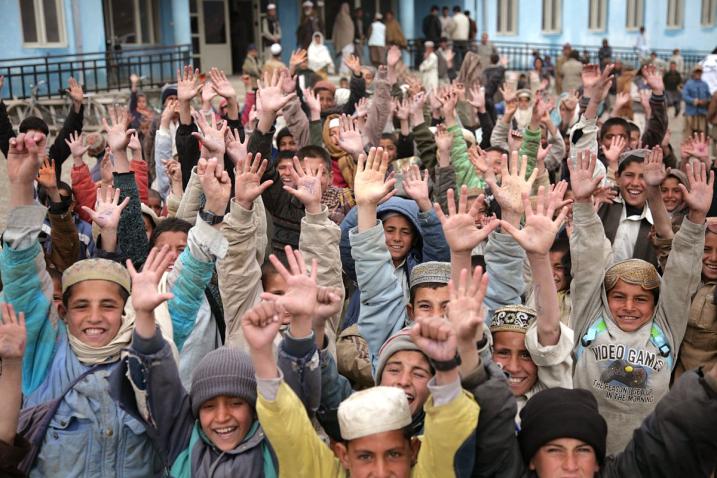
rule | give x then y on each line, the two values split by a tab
145	296
460	229
297	58
77	149
349	138
582	182
13	335
477	98
118	135
540	158
699	147
480	161
353	63
443	138
699	195
603	195
171	108
622	99
401	108
308	185
362	108
328	303
288	81
235	147
513	183
273	98
538	234
174	171
417	188
221	84
654	79
135	145
370	183
393	56
312	101
208	92
590	76
654	172
600	86
435	337
614	150
416	104
107	168
260	325
211	136
247	179
46	176
299	300
448	106
216	185
188	84
108	209
75	91
465	310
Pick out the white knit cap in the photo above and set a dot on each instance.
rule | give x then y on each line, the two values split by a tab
374	410
275	49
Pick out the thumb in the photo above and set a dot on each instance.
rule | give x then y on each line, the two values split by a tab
508	227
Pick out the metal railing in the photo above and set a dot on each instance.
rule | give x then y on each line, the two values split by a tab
520	56
97	72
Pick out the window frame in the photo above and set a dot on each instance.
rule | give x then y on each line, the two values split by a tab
40	26
708	13
511	23
598	9
639	14
675	15
154	27
552	5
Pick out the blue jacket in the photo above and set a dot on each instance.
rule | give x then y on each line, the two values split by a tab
430	244
695	90
89	436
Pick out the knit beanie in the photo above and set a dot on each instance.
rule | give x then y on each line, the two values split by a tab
170	89
399	341
561	413
224	371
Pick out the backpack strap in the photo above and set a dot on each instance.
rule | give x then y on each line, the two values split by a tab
597	327
657	337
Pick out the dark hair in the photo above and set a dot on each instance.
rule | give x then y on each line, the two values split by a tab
614	121
284	155
170	224
494	58
268	269
315	152
283	132
633	158
561	244
497	149
425	285
574	55
68	293
467	13
389	136
434	8
442	40
62	186
35	123
456	9
155	194
632	127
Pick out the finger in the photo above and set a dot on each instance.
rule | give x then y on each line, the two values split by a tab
283	272
130	268
509	228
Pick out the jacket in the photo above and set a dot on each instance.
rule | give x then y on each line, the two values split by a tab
131	236
603	351
610	215
451	417
465	172
147	385
88	435
696	90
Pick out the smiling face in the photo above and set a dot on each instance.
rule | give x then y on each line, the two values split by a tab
226	420
709	258
563	458
381	455
93	311
671	193
631	306
613	131
284	169
510	353
287	143
560	275
408	370
390	147
400	235
632	184
429	302
326	99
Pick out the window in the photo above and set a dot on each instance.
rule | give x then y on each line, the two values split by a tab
43	23
597	15
635	14
552	15
709	11
507	17
675	10
131	21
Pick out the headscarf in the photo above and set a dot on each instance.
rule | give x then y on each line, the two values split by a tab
318	55
346	162
394	35
471	70
343	28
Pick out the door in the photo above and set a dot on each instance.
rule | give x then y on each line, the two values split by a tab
214	35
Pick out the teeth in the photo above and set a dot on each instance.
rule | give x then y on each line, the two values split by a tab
94	331
515	380
224	431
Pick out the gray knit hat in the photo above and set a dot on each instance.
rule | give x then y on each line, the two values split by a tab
432	271
224	371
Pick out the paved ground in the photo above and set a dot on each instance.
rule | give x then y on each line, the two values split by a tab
675	126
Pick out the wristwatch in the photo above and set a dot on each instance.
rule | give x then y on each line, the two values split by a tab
446	365
210	218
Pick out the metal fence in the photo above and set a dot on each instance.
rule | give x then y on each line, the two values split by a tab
97	72
520	56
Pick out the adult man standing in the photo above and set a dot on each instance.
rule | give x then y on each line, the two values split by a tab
641	44
447	24
486	49
567	48
270	29
432	26
697	96
570	72
461	28
359	33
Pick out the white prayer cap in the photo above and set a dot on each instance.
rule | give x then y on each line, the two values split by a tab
429	44
308	4
271	6
275	49
374	410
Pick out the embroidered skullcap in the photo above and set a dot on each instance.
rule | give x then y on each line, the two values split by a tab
512	318
635	272
430	272
96	269
374	410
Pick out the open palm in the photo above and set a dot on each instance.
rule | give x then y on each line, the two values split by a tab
370	184
108	210
459	227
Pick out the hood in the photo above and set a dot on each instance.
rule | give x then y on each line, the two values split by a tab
407	208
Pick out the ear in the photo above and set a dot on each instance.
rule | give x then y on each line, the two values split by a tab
409	310
62	310
415	448
342	452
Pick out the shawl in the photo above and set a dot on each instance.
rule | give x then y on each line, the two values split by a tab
394	35
343	33
346	162
319	56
